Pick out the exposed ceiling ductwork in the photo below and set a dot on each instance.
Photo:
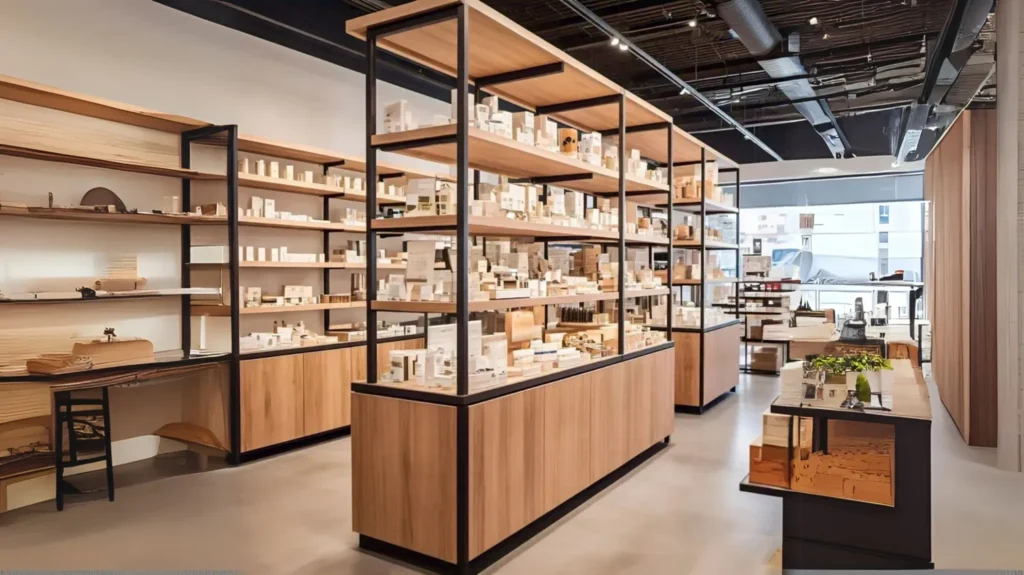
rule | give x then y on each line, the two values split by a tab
751	26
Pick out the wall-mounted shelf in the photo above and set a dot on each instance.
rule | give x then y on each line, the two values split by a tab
709	244
297	225
225	311
109	164
101	217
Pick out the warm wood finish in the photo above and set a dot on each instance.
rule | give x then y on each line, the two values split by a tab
663	394
296	225
83	216
308	188
22	401
609	426
82	105
507	445
567	421
721	365
358	359
494	304
404	473
224	311
493	153
653	144
687	368
960	182
206	401
271	401
327	387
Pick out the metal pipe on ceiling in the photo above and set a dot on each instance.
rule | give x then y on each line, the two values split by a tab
600	24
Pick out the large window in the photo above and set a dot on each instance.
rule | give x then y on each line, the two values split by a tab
880	231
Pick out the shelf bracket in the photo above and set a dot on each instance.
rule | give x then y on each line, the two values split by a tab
517	75
329	165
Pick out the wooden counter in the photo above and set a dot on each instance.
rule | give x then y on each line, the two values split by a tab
707	366
528	453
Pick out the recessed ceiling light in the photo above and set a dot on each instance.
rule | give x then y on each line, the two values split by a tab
692	23
683	92
814	20
615	41
623	46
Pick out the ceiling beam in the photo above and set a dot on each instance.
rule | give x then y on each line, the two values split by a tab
646	58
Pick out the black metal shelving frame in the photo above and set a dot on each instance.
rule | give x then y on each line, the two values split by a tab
462	399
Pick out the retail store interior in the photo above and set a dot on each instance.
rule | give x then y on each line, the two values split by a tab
469	286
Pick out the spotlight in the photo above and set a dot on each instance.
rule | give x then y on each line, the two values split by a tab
692	23
623	46
683	92
825	36
814	20
615	41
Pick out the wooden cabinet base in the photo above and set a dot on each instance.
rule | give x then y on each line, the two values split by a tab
531	456
706	366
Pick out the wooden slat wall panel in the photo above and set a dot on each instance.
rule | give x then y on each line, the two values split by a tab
403	473
327	385
567	416
506	467
271	401
983	380
721	361
609	446
960	182
687	370
663	413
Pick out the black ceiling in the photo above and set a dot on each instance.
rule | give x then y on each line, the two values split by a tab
870	65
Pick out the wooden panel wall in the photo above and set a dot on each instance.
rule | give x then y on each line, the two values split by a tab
721	365
533	450
327	385
271	401
960	184
403	473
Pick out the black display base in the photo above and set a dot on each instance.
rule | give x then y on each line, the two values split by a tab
272	450
699	410
514	541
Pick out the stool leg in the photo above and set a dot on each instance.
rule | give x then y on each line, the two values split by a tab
59	449
106	437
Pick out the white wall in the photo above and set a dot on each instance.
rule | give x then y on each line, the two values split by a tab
146	54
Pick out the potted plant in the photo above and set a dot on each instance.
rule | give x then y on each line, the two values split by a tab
868	366
832	377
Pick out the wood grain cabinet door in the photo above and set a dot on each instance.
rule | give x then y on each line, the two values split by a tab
327	385
272	406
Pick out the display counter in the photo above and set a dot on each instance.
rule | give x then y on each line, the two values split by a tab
494	468
707	364
855	483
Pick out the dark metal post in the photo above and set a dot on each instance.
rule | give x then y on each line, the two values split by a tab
233	283
186	249
327	258
462	192
371	206
739	256
622	224
671	236
703	271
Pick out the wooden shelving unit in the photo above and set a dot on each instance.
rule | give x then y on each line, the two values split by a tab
225	311
477	45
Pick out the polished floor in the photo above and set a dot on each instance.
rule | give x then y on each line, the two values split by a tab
680	513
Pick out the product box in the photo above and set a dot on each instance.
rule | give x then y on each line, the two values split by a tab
209	254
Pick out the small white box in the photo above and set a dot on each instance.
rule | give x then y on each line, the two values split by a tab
250	253
209	254
275	170
289	171
243	165
269	210
257	206
172	205
261	168
261	254
275	255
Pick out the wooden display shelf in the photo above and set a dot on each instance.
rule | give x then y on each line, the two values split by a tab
309	188
706	281
502	227
492	153
224	310
498	45
120	165
39	95
709	244
85	216
495	304
279	265
653	144
711	208
297	225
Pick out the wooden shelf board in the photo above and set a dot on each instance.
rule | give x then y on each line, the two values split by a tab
707	281
487	305
495	227
224	311
296	225
710	244
653	144
309	188
120	165
47	97
84	216
693	205
492	153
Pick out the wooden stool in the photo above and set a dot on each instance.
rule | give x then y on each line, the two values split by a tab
89	437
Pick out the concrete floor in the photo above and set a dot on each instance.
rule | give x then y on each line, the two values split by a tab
679	513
